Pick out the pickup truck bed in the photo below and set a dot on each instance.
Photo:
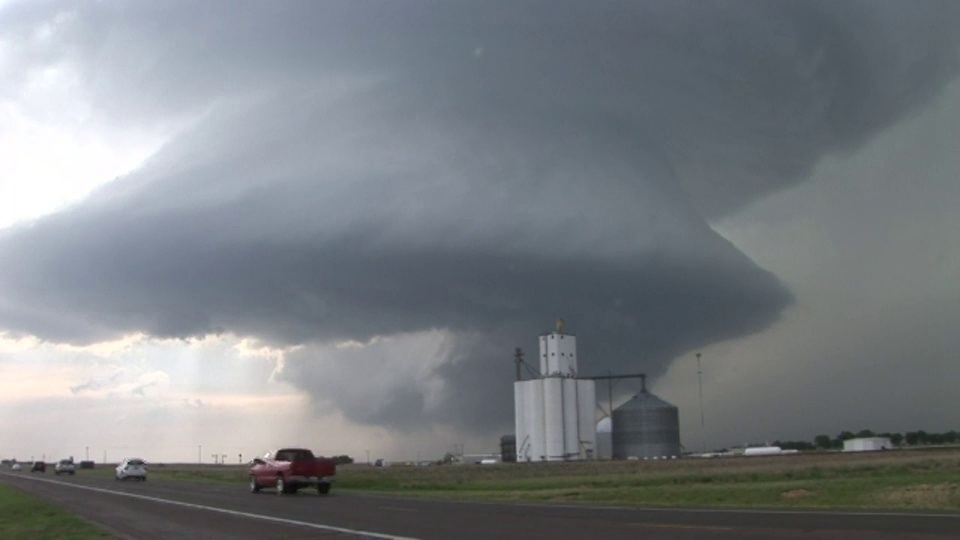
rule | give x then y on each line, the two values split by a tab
291	469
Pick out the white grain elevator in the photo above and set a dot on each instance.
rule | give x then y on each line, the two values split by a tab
556	412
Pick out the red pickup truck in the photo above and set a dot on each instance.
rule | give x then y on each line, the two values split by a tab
291	469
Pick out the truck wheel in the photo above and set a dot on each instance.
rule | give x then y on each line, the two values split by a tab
281	486
254	488
323	489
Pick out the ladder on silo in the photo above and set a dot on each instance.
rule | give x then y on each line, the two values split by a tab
524	448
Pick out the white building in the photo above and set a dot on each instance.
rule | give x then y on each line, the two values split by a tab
556	414
867	444
763	451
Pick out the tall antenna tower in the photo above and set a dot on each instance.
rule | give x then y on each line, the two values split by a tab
703	431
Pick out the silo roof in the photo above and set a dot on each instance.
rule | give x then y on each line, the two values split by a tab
645	401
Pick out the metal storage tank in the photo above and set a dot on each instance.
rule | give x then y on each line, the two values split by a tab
604	439
587	423
531	425
571	420
508	448
646	427
553	418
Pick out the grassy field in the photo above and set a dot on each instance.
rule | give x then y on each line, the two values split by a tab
25	516
901	480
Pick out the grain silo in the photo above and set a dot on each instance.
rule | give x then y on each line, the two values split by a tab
555	413
646	427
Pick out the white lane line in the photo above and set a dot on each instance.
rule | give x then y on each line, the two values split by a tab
366	534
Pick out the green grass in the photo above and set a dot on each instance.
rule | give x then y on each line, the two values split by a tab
201	473
26	516
927	485
899	480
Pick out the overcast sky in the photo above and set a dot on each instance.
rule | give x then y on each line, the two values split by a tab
226	227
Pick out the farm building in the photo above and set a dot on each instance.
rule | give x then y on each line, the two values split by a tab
556	412
867	444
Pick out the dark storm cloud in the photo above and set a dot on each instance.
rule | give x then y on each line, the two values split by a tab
739	98
367	169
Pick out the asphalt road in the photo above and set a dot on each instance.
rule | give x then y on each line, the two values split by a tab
176	509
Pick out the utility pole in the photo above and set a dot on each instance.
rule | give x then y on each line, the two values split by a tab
703	431
88	453
199	451
518	357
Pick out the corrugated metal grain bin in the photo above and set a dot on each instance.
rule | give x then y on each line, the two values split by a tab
508	448
646	427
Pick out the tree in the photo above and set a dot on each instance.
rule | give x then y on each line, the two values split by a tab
822	441
865	433
896	438
843	436
912	438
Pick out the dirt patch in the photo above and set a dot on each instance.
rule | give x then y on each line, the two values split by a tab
922	496
796	494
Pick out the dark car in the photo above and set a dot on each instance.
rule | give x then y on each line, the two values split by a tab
38	466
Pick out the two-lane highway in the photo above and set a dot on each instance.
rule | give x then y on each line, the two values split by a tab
177	509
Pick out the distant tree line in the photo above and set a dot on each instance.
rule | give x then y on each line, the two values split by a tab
342	460
910	438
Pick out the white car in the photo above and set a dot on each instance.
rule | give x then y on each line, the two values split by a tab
16	467
64	466
131	468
